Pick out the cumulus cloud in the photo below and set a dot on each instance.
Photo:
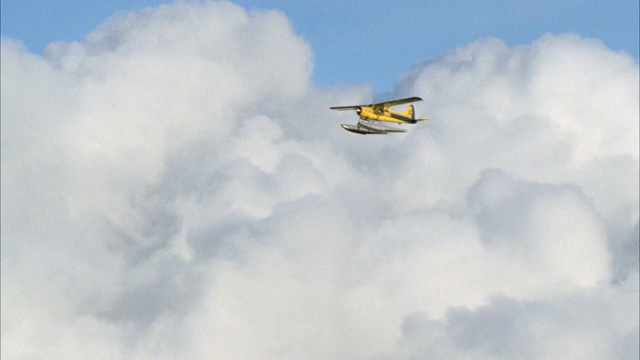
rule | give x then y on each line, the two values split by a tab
506	329
174	186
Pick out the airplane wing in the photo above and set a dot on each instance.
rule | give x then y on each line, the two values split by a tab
342	108
396	102
379	105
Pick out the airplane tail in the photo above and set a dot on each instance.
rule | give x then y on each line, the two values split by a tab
410	113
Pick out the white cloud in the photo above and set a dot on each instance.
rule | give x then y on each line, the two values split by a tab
508	329
174	186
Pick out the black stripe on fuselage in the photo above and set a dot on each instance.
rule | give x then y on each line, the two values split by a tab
403	118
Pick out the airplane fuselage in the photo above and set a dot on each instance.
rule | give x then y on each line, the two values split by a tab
384	114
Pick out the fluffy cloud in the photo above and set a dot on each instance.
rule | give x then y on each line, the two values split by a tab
175	187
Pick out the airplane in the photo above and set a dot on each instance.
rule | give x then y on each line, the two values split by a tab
373	116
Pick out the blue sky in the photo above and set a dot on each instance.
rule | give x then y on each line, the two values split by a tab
360	41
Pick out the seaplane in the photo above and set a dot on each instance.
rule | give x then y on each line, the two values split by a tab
374	116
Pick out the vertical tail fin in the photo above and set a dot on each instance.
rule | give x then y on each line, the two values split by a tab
410	113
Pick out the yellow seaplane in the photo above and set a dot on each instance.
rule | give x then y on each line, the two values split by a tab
373	117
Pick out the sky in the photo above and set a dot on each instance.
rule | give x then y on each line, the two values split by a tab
174	184
364	41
